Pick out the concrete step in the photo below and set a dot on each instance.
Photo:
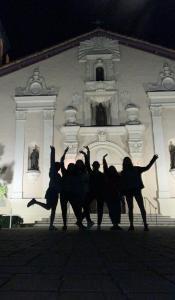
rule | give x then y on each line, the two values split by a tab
152	220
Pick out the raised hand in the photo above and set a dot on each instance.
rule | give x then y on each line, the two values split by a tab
65	151
155	156
52	147
86	147
104	156
82	152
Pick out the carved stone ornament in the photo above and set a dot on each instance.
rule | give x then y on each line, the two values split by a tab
35	86
101	136
135	147
132	114
99	45
166	81
72	148
70	116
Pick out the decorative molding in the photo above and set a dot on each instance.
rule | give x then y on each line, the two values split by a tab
135	140
102	136
99	47
101	85
109	130
70	135
35	103
166	80
35	86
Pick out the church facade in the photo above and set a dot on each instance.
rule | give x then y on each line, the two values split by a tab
114	94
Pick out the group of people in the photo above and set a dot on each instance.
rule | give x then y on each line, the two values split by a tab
81	184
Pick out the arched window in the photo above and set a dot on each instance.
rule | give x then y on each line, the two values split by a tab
99	74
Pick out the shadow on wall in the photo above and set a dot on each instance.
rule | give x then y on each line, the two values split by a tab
6	171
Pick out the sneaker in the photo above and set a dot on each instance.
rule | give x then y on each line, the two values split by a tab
82	227
90	224
115	227
64	228
52	227
146	227
31	202
131	228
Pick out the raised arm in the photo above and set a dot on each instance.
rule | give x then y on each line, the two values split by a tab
87	159
105	165
152	161
52	156
63	169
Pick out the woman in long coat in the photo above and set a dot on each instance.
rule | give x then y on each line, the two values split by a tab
113	194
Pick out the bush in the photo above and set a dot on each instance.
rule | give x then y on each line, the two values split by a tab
5	221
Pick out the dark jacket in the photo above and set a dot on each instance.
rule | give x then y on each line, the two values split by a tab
131	178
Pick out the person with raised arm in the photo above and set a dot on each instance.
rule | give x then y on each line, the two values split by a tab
132	187
53	190
71	192
113	193
83	176
96	186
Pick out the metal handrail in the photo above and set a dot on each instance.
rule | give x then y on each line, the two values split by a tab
151	205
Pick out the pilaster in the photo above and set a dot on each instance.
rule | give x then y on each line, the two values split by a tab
19	155
48	116
163	189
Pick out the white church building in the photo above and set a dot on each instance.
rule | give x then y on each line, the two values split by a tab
110	92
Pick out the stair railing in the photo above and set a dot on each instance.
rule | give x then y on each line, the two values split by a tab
151	206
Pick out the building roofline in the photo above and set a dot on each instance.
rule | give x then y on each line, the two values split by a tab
59	48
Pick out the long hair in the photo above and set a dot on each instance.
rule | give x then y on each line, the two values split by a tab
112	172
127	163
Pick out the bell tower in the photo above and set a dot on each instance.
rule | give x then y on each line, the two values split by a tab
99	56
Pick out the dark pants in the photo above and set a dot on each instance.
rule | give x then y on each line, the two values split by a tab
75	203
63	202
100	204
137	194
51	203
114	207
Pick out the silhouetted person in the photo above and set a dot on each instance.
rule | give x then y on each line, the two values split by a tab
63	196
132	187
71	192
53	190
83	175
113	194
96	186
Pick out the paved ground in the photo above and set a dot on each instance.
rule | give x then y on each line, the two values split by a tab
38	264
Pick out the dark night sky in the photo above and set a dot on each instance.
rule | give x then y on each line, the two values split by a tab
33	25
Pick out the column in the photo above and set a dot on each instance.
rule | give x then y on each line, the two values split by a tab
158	139
17	190
47	141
